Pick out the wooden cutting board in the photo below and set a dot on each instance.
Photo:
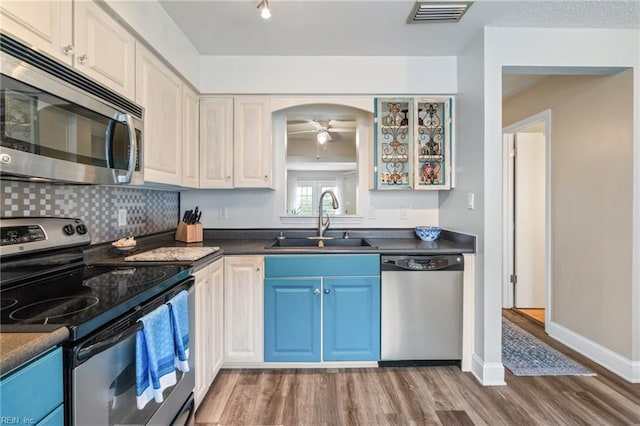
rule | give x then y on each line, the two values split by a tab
175	254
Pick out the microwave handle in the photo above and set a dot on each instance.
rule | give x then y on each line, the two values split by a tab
133	150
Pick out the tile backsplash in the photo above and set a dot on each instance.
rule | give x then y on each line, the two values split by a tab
148	211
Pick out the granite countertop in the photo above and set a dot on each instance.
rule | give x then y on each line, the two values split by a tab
257	242
18	348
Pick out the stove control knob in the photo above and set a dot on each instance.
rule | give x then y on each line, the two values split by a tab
81	229
68	230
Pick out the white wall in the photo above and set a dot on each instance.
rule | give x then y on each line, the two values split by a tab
372	75
470	156
153	24
529	47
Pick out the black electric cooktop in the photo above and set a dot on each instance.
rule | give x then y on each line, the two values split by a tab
82	299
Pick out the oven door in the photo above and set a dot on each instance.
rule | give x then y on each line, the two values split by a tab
103	388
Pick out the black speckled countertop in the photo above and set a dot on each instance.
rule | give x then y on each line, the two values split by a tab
258	241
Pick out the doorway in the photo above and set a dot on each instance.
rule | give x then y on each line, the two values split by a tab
526	282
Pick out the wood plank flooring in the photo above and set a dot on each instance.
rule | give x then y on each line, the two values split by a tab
419	396
534	313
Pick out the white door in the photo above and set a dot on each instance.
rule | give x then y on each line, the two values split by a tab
529	224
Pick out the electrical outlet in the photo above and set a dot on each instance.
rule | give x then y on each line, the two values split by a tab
223	213
372	213
404	213
122	217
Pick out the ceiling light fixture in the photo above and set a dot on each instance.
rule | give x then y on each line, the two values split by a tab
265	12
323	136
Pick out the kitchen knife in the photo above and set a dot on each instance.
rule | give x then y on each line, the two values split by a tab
194	218
198	218
187	215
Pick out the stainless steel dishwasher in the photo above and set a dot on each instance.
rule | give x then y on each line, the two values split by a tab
421	309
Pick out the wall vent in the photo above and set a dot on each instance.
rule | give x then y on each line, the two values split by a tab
438	11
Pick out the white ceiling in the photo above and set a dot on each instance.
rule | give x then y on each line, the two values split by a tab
373	27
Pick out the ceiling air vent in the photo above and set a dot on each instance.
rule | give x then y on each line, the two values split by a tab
438	11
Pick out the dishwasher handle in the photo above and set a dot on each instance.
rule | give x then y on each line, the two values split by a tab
422	263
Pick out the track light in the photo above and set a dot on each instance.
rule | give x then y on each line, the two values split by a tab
265	12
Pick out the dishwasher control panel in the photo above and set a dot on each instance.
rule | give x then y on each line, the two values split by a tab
423	263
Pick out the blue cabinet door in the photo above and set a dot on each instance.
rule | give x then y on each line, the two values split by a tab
292	319
351	318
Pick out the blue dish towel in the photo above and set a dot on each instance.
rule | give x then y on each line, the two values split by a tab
180	324
155	369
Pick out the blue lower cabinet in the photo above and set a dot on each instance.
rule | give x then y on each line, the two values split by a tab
351	318
292	319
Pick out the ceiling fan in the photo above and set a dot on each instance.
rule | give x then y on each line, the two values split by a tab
321	127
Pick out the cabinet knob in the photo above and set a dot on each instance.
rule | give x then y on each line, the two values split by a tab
327	290
316	291
227	178
266	177
68	49
82	59
258	269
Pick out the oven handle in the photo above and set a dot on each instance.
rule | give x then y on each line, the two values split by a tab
96	348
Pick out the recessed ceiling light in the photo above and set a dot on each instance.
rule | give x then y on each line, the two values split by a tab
438	11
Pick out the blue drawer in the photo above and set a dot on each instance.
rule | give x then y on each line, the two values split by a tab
322	265
33	391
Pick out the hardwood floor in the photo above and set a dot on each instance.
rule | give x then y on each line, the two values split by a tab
536	314
424	396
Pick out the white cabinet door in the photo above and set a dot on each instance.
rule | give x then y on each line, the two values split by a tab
243	309
216	143
104	50
217	317
43	25
202	336
252	142
190	139
209	352
159	91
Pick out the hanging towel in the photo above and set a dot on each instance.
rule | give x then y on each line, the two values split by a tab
180	324
155	370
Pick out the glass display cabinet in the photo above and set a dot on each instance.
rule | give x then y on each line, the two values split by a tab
413	141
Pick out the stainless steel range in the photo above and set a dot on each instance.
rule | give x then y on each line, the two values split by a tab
45	284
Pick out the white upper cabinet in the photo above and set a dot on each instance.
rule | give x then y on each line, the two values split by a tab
235	142
103	49
159	91
77	33
44	25
252	142
190	139
216	142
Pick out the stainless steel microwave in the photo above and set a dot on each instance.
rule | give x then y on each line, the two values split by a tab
58	125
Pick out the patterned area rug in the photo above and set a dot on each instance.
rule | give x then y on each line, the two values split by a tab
525	355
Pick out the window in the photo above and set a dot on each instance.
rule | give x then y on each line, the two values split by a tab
307	196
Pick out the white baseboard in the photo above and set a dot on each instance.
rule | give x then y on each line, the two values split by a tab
327	364
488	374
623	367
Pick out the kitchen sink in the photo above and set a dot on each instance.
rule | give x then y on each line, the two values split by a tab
328	243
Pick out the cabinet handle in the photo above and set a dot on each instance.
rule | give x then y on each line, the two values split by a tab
227	178
82	59
316	291
266	177
258	269
68	49
327	290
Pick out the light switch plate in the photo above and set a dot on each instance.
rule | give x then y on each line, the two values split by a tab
471	200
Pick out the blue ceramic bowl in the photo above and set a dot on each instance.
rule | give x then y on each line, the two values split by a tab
428	233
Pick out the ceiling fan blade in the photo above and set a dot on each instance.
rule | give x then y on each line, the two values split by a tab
334	130
301	132
349	124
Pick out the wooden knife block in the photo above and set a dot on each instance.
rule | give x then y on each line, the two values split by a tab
189	233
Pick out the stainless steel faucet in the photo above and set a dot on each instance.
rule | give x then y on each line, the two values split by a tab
324	224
